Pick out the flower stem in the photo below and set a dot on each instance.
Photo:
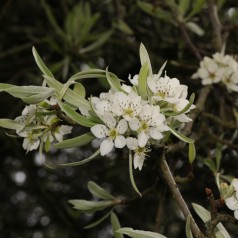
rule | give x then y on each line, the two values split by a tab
177	195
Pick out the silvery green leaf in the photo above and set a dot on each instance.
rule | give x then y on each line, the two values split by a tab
113	81
161	69
191	100
75	116
188	228
41	64
195	28
99	191
97	222
115	226
75	142
5	86
90	206
10	124
70	96
89	73
180	136
205	215
197	6
144	58
79	89
131	174
191	152
93	156
142	81
139	233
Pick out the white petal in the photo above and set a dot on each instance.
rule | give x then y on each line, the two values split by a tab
236	214
134	124
232	203
122	126
235	184
103	106
58	137
100	131
142	139
106	147
138	161
132	143
109	120
120	141
183	118
30	145
65	129
155	134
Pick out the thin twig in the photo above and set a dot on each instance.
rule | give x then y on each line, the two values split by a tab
178	197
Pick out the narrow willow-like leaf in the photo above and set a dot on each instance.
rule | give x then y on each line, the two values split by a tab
191	152
188	228
5	86
180	136
99	191
79	89
191	100
34	99
97	222
90	73
41	64
218	154
144	58
161	69
101	40
113	82
205	215
75	142
10	124
183	6
131	173
197	6
142	81
139	233
115	226
90	206
76	117
93	156
69	96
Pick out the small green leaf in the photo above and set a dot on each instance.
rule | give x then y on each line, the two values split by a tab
191	100
142	81
41	64
183	6
139	233
99	191
124	27
191	152
75	142
131	174
75	116
180	136
205	215
97	222
113	81
47	144
210	164
145	59
188	228
195	28
115	226
218	154
90	206
10	124
79	89
197	6
93	156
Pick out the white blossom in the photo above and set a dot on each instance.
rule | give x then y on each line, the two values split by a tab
134	80
232	202
111	132
139	152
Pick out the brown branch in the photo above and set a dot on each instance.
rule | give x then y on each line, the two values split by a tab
216	25
177	195
219	121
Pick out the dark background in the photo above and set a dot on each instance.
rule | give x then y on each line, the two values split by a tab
34	199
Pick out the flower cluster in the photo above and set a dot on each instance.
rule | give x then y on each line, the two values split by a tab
232	201
129	119
219	69
40	124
